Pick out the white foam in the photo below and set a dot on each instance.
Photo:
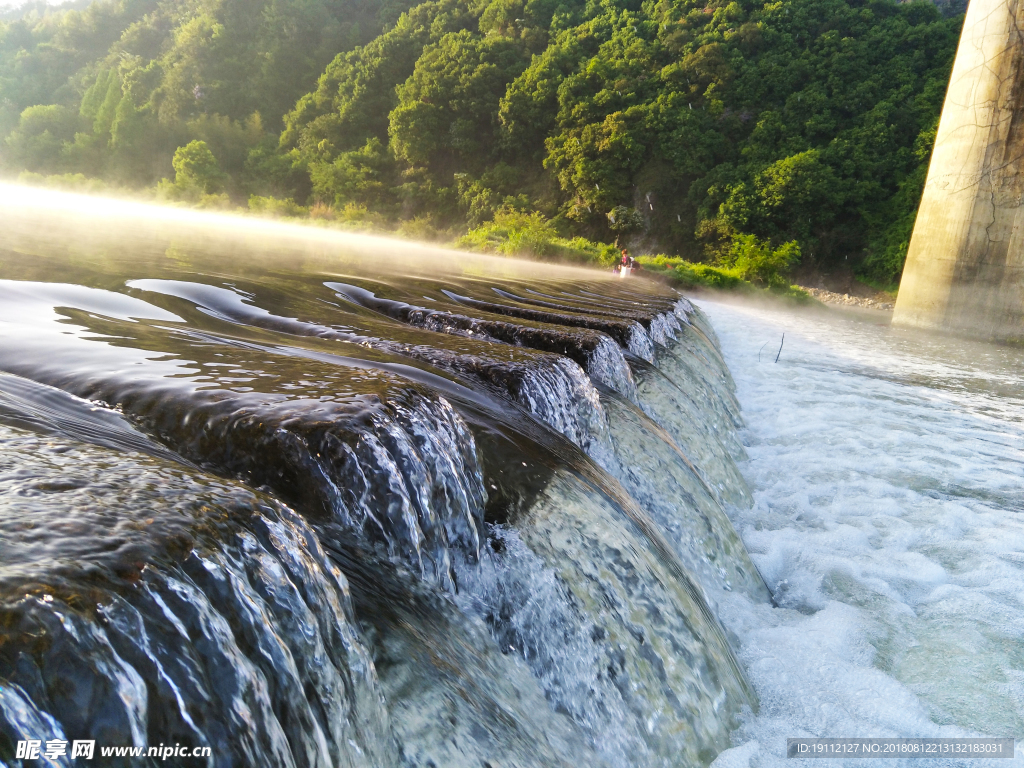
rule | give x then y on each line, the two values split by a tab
888	519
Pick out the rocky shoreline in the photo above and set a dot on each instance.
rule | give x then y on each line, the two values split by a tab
829	297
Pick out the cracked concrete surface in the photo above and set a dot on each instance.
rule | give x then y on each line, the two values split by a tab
965	265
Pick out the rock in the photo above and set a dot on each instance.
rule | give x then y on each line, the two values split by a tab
830	297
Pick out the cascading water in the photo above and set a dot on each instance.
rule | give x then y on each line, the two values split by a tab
146	602
307	499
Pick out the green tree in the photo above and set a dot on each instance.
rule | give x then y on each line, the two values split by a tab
446	113
623	220
361	177
196	173
38	142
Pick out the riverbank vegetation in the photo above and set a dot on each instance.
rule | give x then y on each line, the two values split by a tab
745	139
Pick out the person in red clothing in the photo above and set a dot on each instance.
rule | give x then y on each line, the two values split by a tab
628	261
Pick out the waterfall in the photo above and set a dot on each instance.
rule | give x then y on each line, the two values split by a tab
308	517
169	606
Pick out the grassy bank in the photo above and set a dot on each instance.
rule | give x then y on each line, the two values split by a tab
748	265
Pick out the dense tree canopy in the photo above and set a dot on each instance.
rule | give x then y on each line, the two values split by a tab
705	128
126	82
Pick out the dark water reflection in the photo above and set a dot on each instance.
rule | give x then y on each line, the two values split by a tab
316	499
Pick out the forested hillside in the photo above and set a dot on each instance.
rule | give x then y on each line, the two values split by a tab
110	91
707	129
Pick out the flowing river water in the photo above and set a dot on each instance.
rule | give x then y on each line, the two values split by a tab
887	469
303	498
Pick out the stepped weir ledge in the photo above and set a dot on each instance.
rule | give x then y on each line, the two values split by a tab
305	498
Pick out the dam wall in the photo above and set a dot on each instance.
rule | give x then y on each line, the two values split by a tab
965	265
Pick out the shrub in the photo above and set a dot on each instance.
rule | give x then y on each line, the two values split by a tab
689	275
276	207
321	210
359	217
515	233
623	220
685	274
424	229
197	177
512	233
755	260
196	167
73	182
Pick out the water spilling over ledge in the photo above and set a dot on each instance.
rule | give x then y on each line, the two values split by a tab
318	499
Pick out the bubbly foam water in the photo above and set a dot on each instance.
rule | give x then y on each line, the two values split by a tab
888	520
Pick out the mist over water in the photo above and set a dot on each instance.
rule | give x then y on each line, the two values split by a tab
311	498
888	521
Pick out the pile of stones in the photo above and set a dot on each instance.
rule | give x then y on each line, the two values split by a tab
829	297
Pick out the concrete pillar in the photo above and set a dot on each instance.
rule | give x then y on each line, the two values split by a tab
965	266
